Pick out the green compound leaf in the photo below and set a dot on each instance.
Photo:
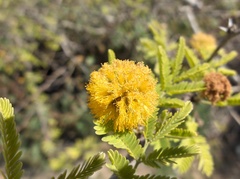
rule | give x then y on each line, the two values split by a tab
85	170
127	141
177	64
191	58
164	68
180	133
171	102
149	47
224	60
10	140
171	122
185	87
192	72
205	158
234	100
120	165
159	33
161	143
184	164
148	176
231	101
99	128
150	129
6	108
166	156
227	72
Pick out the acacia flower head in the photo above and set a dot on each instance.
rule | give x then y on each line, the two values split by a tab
218	88
122	93
203	43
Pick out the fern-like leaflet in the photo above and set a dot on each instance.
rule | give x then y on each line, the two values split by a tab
185	87
164	68
165	156
234	100
191	57
120	165
150	129
100	129
171	102
205	158
226	71
179	133
171	122
183	164
224	60
192	73
10	141
127	141
177	64
86	169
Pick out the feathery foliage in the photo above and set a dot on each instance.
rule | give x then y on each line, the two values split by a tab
166	156
168	124
191	58
180	133
159	36
120	165
177	64
224	60
150	129
164	68
192	73
148	47
127	141
85	170
185	87
231	101
10	141
183	164
171	102
205	158
226	71
100	129
234	100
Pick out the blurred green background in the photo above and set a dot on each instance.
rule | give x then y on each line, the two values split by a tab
49	48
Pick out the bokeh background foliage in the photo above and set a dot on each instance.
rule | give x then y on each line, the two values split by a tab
49	48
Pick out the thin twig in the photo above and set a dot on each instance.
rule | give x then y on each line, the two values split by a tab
223	43
232	31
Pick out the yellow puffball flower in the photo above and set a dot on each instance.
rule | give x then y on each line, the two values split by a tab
123	93
205	44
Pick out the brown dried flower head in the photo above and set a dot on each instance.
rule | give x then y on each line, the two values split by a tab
218	88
